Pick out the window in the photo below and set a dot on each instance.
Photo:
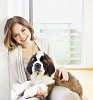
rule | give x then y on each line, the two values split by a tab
62	22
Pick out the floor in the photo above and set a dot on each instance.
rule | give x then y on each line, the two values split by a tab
86	79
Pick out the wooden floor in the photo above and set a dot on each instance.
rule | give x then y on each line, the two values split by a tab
86	79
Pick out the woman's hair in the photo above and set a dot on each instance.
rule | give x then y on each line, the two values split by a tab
9	42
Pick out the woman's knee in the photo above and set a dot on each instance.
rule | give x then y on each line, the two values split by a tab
62	93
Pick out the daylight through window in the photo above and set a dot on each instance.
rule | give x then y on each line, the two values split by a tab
62	22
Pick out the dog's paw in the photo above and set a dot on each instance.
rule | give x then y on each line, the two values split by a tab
23	87
26	94
44	87
31	92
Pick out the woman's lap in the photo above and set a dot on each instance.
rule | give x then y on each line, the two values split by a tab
59	93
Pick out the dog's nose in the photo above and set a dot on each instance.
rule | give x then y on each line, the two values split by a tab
37	66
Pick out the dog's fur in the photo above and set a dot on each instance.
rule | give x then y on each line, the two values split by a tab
44	75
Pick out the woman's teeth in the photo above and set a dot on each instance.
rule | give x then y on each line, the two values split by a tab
23	39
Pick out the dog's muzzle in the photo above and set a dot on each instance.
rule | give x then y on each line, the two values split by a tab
37	67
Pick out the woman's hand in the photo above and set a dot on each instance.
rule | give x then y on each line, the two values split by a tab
64	73
40	92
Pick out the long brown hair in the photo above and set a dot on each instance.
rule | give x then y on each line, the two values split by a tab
9	42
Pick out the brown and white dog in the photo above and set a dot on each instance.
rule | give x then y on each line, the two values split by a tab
43	75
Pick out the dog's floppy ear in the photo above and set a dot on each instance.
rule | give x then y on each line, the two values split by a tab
50	66
51	69
29	68
30	64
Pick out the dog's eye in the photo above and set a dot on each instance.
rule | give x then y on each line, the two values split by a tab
44	61
42	58
33	59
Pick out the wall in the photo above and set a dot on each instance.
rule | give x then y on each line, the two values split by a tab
4	74
18	8
3	15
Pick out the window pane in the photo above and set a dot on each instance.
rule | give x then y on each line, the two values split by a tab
62	22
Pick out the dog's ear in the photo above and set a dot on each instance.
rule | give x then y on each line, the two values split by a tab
50	65
29	68
50	69
30	64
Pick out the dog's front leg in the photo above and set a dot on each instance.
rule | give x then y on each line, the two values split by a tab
23	87
31	92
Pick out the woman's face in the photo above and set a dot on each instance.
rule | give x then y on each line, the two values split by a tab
21	34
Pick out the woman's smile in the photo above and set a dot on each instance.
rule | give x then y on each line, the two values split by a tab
24	39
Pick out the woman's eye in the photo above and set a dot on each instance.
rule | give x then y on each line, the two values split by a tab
15	35
23	30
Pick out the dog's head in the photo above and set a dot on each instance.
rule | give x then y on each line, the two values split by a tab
41	63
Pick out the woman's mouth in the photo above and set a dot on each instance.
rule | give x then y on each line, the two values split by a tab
24	39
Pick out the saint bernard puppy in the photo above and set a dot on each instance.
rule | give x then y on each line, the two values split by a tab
43	75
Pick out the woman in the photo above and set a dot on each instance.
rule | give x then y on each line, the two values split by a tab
22	44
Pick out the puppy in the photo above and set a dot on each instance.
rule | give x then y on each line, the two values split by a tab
43	75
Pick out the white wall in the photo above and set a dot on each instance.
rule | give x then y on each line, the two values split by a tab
3	7
4	75
88	33
3	15
18	8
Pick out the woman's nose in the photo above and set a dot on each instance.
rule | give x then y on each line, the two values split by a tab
21	35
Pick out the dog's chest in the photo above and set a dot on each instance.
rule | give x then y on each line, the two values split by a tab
48	80
45	79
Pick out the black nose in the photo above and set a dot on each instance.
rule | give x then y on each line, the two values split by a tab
37	66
